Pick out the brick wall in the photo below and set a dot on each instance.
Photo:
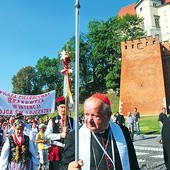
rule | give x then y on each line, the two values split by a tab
165	47
145	65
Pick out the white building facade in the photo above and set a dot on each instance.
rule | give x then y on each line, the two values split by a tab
156	15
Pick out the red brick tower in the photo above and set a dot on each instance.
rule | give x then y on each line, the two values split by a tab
145	76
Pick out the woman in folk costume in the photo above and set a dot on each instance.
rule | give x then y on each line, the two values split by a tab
18	151
103	145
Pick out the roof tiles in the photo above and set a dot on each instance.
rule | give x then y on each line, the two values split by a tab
130	9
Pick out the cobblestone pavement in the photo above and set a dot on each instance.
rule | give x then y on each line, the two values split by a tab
149	152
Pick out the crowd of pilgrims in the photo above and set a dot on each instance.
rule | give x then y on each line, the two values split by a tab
31	123
31	126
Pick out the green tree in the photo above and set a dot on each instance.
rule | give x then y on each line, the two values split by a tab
105	41
49	75
26	82
121	29
99	59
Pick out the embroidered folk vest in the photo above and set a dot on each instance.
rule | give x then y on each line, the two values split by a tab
19	154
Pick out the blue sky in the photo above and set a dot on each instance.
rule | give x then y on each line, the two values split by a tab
31	29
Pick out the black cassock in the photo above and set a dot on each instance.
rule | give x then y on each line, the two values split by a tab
98	160
166	141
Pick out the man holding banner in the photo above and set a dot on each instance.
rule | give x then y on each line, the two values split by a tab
57	129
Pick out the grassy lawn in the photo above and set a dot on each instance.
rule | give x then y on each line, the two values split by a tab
149	125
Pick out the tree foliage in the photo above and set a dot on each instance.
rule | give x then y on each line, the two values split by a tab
105	40
49	74
99	59
26	82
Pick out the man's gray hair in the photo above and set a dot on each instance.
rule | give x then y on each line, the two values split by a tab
105	109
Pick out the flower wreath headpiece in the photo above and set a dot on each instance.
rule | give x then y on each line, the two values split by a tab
19	123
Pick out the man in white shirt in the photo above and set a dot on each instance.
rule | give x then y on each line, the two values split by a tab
56	131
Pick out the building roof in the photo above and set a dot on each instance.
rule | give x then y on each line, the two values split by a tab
130	9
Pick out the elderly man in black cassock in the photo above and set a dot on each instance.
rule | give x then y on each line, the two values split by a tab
103	144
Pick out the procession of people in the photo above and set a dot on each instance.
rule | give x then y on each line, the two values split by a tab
31	144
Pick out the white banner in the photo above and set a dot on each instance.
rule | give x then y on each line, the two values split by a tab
12	104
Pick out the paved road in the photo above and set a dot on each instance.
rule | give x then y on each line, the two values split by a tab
149	152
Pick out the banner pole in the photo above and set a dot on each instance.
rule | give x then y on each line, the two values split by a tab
77	5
